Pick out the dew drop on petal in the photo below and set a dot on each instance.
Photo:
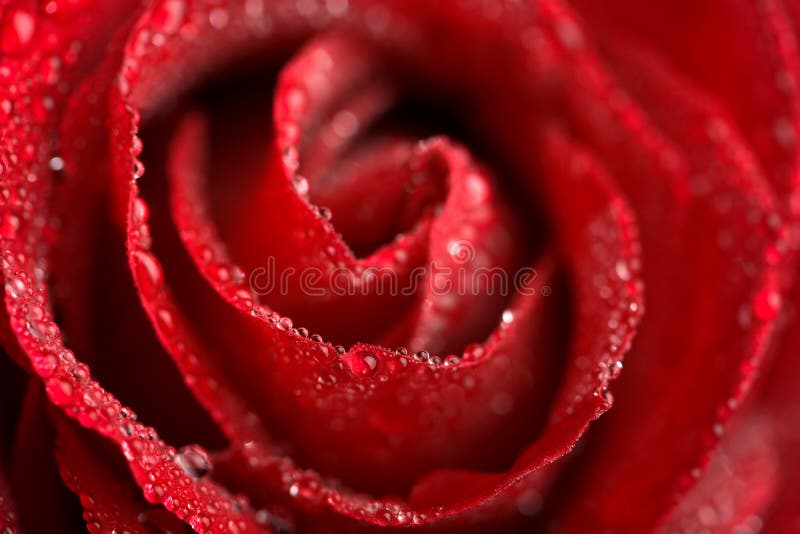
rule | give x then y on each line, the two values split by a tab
604	394
45	365
452	360
529	503
56	164
501	403
361	364
302	332
218	18
149	273
60	391
140	212
138	169
767	304
325	213
194	461
16	31
422	355
300	185
168	16
16	287
622	270
9	225
345	124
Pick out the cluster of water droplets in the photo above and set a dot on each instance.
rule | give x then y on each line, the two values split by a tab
171	17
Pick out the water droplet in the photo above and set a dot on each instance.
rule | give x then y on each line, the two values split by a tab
337	8
569	34
165	321
60	391
377	19
501	403
138	169
45	365
194	461
345	124
745	316
325	213
605	395
300	185
40	330
56	164
16	287
140	212
767	304
168	16
218	18
452	360
361	364
474	351
17	30
613	369
785	132
529	503
296	100
302	332
67	357
621	268
50	70
9	225
149	274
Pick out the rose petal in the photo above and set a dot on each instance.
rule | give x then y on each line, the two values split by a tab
708	244
739	482
754	77
288	373
474	240
110	498
32	471
8	514
329	70
343	374
778	400
68	383
605	369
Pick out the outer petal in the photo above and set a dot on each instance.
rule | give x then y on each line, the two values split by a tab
8	515
110	498
670	374
739	483
68	383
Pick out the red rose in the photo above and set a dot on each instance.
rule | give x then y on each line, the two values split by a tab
221	220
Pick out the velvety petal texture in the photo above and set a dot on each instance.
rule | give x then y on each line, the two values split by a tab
361	265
